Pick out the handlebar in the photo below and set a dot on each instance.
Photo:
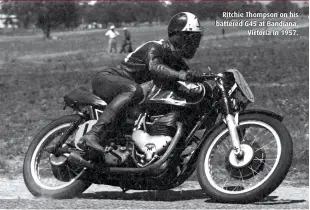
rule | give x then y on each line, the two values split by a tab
204	77
209	76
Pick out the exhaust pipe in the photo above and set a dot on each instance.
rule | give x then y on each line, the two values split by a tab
76	158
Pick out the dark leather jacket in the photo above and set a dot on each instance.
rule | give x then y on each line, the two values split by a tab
152	60
127	35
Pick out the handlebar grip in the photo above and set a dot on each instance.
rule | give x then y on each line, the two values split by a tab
208	77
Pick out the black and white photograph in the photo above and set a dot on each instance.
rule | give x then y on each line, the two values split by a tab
154	104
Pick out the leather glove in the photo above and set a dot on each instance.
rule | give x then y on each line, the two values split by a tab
183	75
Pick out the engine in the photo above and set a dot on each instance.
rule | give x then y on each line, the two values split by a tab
150	138
153	135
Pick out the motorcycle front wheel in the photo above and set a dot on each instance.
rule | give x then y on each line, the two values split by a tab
267	147
51	180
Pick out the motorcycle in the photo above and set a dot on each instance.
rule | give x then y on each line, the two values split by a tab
240	155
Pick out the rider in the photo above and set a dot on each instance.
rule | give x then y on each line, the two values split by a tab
155	59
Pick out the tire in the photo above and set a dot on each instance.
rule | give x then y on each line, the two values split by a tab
71	189
262	188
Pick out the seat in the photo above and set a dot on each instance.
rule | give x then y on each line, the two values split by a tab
83	96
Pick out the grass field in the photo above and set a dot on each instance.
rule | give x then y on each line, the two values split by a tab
35	74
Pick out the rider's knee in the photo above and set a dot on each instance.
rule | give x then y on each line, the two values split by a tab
137	92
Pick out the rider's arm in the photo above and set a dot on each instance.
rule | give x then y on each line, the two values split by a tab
158	68
183	65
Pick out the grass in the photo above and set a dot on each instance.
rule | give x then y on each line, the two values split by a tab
35	74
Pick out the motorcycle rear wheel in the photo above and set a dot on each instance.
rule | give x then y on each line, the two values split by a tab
225	181
39	183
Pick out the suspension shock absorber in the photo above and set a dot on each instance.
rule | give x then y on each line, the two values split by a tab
74	125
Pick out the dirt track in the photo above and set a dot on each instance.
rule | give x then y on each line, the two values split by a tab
14	194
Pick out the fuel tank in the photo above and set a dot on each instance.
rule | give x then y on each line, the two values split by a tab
179	94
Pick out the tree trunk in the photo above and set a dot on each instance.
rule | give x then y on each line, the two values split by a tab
47	31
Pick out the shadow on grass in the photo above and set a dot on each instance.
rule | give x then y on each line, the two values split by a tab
269	200
170	195
272	200
166	195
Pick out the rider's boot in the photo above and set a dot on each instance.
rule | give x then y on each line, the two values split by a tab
93	138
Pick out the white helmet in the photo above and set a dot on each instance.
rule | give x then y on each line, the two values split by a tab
185	32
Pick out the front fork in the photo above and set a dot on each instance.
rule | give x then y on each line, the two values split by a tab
231	121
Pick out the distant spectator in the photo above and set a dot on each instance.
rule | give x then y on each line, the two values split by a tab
126	42
112	34
223	33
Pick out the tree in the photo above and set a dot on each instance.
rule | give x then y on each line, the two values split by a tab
238	6
22	10
53	14
281	7
45	14
148	12
256	7
97	13
305	8
117	12
177	7
210	10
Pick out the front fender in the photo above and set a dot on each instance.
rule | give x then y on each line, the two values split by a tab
262	111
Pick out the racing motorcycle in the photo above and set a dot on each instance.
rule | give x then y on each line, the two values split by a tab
240	155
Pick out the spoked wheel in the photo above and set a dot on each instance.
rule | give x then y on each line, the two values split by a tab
46	174
267	156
